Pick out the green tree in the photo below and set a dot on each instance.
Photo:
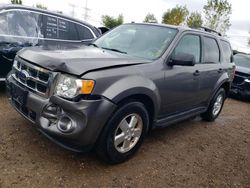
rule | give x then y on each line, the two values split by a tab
111	22
194	20
217	15
41	6
150	18
19	2
175	16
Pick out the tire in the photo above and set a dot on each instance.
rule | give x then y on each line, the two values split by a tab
123	133
215	106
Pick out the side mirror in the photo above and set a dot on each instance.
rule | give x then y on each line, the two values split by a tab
182	59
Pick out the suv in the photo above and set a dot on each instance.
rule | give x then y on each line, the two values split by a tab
24	27
241	83
110	94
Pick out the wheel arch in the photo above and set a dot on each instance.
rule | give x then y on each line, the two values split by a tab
138	88
225	84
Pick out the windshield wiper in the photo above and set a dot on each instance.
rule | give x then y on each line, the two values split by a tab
115	50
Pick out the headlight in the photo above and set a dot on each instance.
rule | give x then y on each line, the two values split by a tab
70	87
15	63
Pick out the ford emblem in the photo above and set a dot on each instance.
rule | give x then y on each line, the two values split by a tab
23	75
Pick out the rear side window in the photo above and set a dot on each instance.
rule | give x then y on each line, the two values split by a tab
189	44
227	51
84	33
50	27
211	51
67	30
19	23
4	24
56	28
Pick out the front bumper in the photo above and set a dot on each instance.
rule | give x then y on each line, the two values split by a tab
88	117
242	89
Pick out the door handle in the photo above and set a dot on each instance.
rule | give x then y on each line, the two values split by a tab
220	70
197	73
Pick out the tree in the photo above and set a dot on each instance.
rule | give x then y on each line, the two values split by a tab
41	6
150	18
111	22
194	20
217	15
175	16
19	2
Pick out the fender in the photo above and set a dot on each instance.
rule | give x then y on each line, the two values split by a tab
133	85
222	80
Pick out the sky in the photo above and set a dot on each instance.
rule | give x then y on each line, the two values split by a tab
136	10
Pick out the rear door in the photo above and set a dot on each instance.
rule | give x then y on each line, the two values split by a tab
210	69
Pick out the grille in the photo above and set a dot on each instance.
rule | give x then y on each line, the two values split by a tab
32	77
239	78
245	75
31	115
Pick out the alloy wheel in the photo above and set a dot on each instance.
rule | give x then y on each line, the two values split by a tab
128	133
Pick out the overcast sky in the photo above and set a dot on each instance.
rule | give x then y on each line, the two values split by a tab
136	10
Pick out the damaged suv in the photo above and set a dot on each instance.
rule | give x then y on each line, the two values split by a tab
108	95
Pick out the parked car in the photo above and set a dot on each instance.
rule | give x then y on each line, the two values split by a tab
241	83
24	27
108	95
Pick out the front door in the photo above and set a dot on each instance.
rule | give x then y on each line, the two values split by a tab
181	82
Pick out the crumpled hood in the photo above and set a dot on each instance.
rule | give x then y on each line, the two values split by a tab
77	61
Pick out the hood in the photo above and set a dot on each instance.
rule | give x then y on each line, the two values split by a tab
244	70
77	61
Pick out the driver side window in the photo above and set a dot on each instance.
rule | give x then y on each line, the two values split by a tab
189	44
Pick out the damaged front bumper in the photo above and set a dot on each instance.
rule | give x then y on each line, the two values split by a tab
242	89
73	125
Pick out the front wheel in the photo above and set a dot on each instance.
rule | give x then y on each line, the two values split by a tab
124	133
215	106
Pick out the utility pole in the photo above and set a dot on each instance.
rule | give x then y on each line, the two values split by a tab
73	9
86	9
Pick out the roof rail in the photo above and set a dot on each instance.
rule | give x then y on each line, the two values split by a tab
210	30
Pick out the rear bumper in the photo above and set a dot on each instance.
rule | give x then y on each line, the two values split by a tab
87	117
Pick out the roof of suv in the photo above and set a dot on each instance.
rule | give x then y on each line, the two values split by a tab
10	6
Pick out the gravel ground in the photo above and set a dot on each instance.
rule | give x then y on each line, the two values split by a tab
190	154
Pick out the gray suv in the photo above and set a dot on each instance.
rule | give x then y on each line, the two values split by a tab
107	96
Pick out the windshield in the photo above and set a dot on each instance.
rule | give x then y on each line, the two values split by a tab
242	60
144	41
